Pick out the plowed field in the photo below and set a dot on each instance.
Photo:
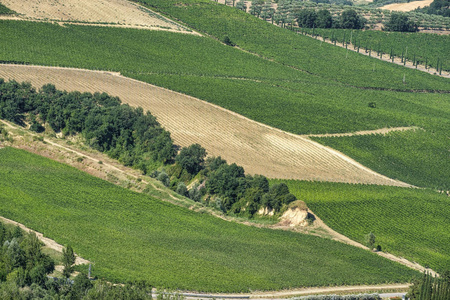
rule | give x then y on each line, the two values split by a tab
260	149
407	6
106	12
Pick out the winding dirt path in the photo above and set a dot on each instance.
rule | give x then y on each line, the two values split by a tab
383	131
49	243
258	148
319	228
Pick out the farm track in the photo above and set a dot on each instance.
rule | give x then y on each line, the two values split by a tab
397	60
49	243
110	13
259	148
383	131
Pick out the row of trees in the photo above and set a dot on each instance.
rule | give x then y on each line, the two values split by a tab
289	14
348	19
136	139
400	22
431	288
222	185
125	133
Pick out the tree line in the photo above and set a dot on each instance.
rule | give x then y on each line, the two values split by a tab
289	14
136	139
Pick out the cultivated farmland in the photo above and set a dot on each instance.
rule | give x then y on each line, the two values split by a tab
107	12
258	148
132	236
407	222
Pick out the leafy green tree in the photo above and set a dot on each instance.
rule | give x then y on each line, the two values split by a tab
370	240
192	158
38	275
241	5
68	260
181	189
306	18
256	7
351	20
81	285
400	22
324	19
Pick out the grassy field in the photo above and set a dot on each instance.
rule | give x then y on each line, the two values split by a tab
418	157
133	236
289	48
423	47
407	222
265	91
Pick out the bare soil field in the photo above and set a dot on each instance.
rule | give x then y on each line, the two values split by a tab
260	149
119	13
407	6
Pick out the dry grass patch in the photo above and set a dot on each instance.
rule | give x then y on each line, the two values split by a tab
407	6
106	12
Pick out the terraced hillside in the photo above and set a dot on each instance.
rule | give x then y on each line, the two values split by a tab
258	148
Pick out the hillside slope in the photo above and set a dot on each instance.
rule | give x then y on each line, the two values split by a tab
115	13
258	148
142	238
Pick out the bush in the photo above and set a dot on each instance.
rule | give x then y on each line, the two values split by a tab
227	41
351	20
164	178
181	189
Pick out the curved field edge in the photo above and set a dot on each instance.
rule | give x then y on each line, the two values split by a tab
286	98
102	13
291	49
412	223
419	157
420	47
132	236
221	132
5	10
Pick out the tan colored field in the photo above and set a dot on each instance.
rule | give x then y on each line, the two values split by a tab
260	149
113	12
407	6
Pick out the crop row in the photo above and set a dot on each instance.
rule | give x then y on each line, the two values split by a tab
426	49
407	222
261	90
132	236
418	157
288	48
373	15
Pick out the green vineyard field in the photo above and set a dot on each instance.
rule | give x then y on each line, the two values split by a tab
410	223
131	236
